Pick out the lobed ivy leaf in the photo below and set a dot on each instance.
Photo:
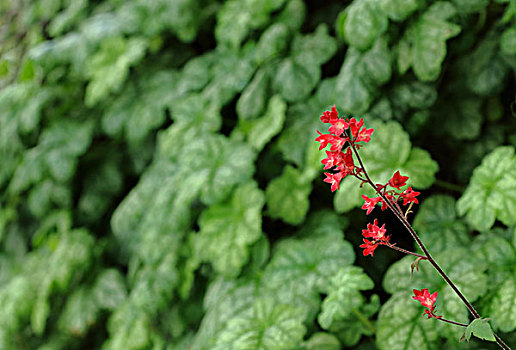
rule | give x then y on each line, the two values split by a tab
360	76
297	76
399	10
487	70
508	41
480	328
109	67
227	230
252	102
344	310
365	21
400	325
266	326
438	226
322	341
428	38
260	131
500	302
272	43
287	196
236	19
388	151
491	192
79	314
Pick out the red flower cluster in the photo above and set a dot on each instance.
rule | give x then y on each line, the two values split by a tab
377	234
427	300
396	181
338	137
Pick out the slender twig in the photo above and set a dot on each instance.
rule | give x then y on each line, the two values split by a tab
414	235
392	246
452	322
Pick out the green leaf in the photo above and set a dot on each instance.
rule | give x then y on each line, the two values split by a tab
227	230
287	196
491	192
364	23
322	341
486	70
109	289
508	41
360	76
109	67
400	325
469	6
252	102
503	305
266	326
465	119
79	314
273	43
262	130
300	131
320	45
301	268
235	19
129	328
480	328
428	37
297	76
438	226
399	10
388	151
342	311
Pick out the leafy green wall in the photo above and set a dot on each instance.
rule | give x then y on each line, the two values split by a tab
160	187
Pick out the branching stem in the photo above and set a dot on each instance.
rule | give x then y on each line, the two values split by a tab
397	212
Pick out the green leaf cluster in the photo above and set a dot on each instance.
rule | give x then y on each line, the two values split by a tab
161	187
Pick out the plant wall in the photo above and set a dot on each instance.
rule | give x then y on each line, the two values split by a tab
160	186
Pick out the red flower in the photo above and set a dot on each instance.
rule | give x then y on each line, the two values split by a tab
333	159
398	181
334	180
338	127
348	159
364	135
369	247
324	139
330	116
409	196
370	203
355	126
375	232
389	197
427	300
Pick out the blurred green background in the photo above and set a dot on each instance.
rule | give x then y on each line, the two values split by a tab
160	186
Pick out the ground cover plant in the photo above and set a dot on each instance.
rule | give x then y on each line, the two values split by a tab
161	186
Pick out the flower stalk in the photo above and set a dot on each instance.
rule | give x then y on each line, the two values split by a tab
349	133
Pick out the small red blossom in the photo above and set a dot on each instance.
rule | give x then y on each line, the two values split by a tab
324	139
390	198
409	195
348	159
369	247
330	116
427	300
364	135
333	159
398	181
355	126
338	127
370	203
334	180
375	232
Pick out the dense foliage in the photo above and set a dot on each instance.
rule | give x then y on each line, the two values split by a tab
160	186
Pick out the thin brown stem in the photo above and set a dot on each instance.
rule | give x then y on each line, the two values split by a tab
414	235
392	246
452	322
